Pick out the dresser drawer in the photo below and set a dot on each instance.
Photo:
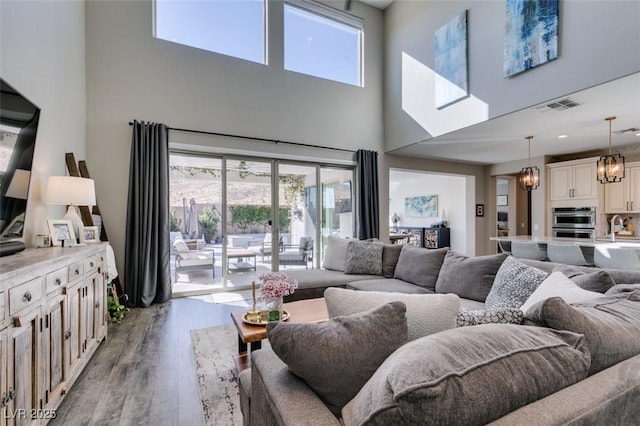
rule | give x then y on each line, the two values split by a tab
76	270
57	279
25	295
91	264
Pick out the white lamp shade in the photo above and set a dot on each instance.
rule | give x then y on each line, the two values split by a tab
70	190
19	185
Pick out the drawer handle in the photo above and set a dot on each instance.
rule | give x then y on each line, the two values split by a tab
97	304
12	393
5	400
58	281
91	264
67	335
27	297
77	271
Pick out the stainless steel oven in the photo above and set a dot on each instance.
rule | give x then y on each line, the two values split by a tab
574	222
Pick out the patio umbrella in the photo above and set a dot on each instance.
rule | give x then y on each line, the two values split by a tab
192	219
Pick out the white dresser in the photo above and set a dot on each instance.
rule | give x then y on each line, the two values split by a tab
53	315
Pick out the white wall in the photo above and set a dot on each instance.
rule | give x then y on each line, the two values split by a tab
131	75
42	55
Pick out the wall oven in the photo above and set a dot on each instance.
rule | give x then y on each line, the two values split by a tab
574	222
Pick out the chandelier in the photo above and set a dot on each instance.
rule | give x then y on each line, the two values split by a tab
610	167
529	176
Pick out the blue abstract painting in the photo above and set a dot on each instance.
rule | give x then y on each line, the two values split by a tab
450	50
425	206
531	34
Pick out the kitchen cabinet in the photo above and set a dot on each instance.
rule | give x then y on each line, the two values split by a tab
624	196
573	180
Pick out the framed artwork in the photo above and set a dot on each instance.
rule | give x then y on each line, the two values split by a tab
424	206
531	34
450	51
15	227
503	200
89	234
479	210
61	230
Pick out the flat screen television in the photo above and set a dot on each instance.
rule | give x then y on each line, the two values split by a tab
18	127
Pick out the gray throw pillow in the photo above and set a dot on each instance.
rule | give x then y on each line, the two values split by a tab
364	258
599	281
469	375
390	255
467	317
468	277
622	288
337	357
513	285
419	266
426	313
335	256
611	325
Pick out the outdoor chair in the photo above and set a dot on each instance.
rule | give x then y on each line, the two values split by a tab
302	256
263	247
186	259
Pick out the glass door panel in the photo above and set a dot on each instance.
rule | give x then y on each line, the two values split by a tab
337	203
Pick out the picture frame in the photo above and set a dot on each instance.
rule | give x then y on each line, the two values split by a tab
61	230
89	234
503	200
479	210
423	206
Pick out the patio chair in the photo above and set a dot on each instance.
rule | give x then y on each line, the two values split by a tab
263	247
186	259
302	256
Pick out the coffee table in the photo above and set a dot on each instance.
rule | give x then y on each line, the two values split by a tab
240	254
309	310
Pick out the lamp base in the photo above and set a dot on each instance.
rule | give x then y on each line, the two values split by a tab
75	219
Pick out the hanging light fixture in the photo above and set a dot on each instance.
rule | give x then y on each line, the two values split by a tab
529	176
610	167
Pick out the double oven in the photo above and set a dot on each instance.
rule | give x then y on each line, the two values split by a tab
574	222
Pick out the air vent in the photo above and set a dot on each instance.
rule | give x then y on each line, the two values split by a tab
561	105
625	131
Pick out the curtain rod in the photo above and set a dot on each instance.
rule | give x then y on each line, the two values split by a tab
253	138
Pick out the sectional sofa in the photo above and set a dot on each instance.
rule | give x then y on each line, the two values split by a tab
572	356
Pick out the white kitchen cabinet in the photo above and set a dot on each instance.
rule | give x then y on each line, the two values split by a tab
573	180
624	196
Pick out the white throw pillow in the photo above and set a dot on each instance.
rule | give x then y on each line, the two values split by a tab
181	248
335	256
426	313
558	285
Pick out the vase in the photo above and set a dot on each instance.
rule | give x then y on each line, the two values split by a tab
271	309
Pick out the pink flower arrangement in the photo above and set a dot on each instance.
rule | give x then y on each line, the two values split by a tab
275	284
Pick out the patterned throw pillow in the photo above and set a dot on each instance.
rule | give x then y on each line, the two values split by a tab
514	283
364	258
489	316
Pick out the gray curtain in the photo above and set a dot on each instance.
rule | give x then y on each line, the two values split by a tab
147	275
368	200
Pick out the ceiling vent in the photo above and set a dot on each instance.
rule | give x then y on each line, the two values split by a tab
625	131
561	105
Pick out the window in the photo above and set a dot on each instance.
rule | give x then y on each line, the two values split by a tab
231	27
322	42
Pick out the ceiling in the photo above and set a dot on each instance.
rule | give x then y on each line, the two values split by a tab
501	139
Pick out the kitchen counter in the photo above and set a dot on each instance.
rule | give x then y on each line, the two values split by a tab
598	242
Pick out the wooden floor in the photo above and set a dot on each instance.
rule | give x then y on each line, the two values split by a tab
144	373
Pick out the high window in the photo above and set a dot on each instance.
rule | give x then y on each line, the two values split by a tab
231	27
322	42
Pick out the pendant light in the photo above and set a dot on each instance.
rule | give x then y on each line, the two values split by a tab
529	176
610	167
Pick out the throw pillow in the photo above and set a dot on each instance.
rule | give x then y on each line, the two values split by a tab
363	258
419	266
426	313
610	324
181	248
335	256
468	277
467	317
599	281
513	284
497	368
390	255
337	357
558	285
622	288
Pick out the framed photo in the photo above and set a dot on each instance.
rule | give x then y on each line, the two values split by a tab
15	227
89	234
479	210
61	230
503	200
425	206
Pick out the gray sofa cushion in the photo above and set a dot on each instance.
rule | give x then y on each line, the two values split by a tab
335	256
364	258
514	283
313	282
496	369
337	357
468	277
388	284
426	313
611	325
420	266
390	255
599	281
622	288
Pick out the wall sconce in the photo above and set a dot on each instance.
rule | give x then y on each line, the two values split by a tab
610	168
529	176
71	191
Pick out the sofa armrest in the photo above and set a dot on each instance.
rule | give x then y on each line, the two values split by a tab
280	398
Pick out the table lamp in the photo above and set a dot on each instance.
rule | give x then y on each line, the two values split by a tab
71	191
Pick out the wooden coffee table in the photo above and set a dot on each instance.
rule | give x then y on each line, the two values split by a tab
241	264
310	310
